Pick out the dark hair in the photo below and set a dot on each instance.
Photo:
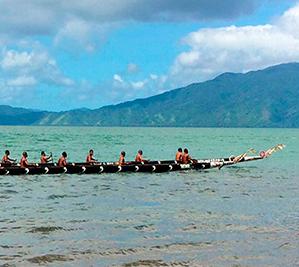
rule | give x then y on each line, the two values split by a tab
186	150
7	152
25	154
64	154
123	153
91	151
140	152
180	149
43	153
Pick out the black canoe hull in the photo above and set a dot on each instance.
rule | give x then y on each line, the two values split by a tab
151	167
156	162
94	169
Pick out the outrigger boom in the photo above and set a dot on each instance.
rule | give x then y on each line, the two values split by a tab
149	167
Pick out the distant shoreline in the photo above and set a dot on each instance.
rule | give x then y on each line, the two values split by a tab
258	99
147	127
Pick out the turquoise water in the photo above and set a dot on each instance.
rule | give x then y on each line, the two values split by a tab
246	215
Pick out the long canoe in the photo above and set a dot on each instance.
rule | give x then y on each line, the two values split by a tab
108	167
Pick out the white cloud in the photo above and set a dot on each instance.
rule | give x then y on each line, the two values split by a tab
118	78
29	69
289	21
132	68
78	30
22	81
237	49
125	88
14	59
9	93
139	84
153	76
82	33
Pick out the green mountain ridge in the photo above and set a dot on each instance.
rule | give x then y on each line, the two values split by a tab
264	98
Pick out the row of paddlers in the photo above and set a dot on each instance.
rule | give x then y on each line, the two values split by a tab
97	168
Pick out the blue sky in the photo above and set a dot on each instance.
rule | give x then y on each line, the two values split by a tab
60	55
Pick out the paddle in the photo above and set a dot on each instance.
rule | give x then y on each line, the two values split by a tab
238	158
270	151
51	156
243	155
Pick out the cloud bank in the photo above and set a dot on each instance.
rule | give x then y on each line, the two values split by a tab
35	17
89	22
27	69
238	49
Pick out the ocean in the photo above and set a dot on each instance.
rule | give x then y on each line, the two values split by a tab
244	215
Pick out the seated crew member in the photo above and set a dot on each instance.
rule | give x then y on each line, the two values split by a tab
44	158
24	161
186	157
179	155
89	158
122	160
62	160
6	159
139	157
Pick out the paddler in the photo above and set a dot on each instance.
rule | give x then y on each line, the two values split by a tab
24	161
139	157
89	158
122	160
270	151
6	159
44	158
179	155
186	157
62	160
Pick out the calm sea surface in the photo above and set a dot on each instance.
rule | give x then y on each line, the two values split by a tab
246	215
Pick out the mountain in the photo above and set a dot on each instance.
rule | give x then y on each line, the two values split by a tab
264	98
19	116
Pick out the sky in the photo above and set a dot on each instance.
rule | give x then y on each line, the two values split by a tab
58	54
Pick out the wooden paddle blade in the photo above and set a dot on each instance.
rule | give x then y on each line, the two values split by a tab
252	150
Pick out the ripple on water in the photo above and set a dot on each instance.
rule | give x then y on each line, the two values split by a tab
54	196
45	229
5	197
58	196
49	258
145	228
154	263
8	191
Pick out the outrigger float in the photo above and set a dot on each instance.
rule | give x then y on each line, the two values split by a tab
149	167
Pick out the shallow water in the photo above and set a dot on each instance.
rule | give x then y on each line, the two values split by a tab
246	215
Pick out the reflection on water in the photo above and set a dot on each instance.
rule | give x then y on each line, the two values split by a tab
241	216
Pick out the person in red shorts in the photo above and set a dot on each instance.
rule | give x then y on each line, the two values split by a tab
62	160
90	158
44	158
179	155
